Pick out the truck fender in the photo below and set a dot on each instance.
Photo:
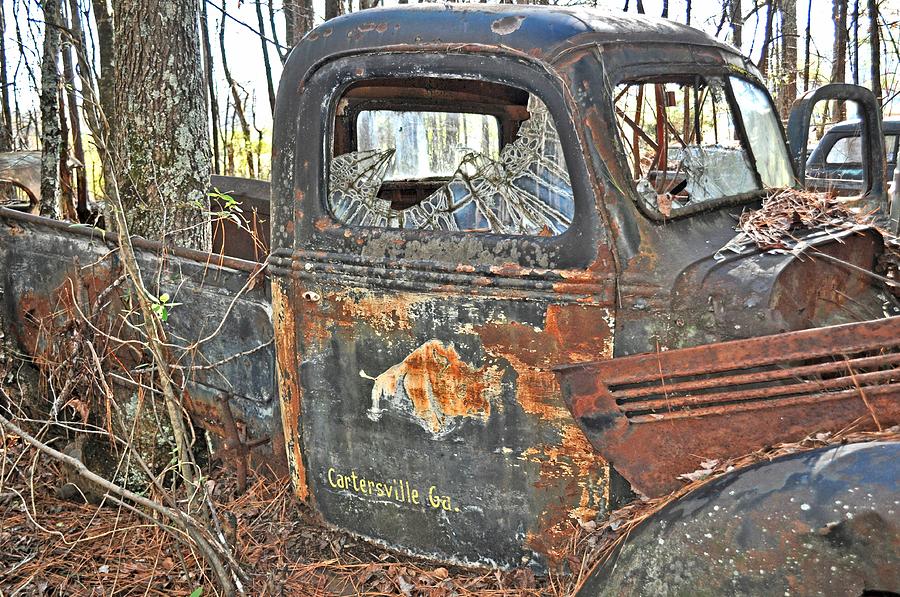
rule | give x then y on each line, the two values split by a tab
821	522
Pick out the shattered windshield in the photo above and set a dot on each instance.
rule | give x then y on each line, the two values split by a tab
684	147
448	171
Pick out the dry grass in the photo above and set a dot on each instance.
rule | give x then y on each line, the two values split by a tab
50	546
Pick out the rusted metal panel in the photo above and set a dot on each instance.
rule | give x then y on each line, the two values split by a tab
822	522
220	328
242	234
655	416
434	415
424	357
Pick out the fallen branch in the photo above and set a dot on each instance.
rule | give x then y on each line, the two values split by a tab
230	576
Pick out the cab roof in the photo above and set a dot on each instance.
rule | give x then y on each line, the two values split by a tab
540	31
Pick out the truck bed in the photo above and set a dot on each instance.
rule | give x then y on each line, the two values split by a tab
53	272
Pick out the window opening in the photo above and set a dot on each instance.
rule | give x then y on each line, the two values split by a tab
846	150
459	176
684	147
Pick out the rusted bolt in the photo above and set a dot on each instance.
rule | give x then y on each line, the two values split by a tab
312	296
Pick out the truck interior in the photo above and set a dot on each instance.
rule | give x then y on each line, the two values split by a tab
448	154
692	140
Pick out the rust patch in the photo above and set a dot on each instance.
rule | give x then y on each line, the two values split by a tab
383	313
585	478
435	388
324	223
571	333
656	415
286	367
507	25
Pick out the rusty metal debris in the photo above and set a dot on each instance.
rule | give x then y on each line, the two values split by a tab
656	416
234	449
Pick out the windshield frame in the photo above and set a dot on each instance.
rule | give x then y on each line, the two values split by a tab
684	72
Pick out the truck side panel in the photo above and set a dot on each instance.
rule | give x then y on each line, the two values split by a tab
56	274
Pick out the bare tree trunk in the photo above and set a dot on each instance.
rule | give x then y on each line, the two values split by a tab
839	54
270	87
160	144
106	47
236	97
6	122
806	49
210	86
66	189
81	191
333	8
737	24
51	137
767	40
875	45
788	91
298	17
854	64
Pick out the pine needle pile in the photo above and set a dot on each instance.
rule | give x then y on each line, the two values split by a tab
787	209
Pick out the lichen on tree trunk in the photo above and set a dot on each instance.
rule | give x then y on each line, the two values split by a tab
51	135
160	148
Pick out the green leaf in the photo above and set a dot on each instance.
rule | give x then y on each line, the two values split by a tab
197	592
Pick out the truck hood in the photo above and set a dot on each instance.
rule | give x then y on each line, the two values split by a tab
826	279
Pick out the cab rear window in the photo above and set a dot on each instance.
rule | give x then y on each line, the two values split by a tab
460	156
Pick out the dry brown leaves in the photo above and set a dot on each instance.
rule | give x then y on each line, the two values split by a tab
56	547
50	546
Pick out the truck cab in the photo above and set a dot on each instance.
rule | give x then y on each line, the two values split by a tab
467	196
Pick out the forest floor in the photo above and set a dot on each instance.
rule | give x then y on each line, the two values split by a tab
50	546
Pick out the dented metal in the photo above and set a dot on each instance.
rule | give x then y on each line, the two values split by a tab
413	353
423	348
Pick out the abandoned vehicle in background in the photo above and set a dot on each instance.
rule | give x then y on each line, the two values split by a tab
836	163
506	294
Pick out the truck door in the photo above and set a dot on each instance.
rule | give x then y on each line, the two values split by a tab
442	253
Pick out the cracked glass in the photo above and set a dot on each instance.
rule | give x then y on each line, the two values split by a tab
682	143
466	181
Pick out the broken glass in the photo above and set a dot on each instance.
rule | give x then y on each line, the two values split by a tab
524	191
446	138
681	143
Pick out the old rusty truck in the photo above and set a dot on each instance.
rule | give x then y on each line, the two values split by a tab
505	293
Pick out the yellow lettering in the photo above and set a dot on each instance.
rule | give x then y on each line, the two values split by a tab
399	489
433	497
